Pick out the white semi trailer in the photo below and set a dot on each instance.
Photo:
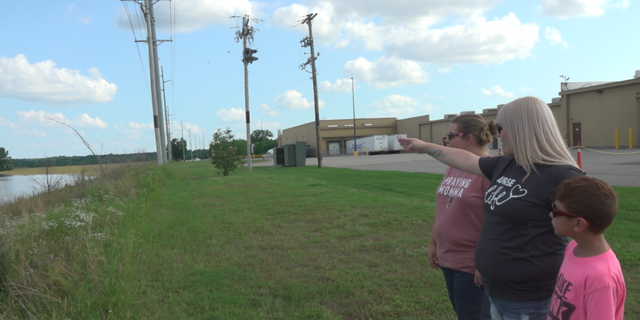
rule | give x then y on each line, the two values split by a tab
371	144
394	145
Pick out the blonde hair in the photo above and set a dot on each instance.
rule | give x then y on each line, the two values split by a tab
475	125
533	134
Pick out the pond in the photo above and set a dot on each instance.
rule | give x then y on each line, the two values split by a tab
12	186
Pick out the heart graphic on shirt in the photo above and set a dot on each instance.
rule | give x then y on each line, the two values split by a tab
517	191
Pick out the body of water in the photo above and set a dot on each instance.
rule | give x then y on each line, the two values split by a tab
12	186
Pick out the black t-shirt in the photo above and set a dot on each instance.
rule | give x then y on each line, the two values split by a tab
518	253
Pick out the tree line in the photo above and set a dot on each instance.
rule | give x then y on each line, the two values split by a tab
261	139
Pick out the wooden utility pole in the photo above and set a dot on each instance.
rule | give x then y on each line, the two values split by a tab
308	42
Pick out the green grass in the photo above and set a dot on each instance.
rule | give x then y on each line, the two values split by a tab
291	243
274	243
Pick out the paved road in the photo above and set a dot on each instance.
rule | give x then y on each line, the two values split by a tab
617	167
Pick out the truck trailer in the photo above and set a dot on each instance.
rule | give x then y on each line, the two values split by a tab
394	145
372	144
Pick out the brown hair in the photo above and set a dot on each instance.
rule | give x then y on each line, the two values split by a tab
475	125
590	198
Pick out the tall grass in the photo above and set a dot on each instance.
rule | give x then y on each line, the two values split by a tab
66	253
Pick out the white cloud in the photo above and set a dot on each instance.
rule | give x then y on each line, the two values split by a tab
341	85
386	72
572	8
78	14
268	110
554	37
84	121
192	15
42	81
622	5
396	106
293	100
412	30
476	41
141	126
444	70
41	118
496	91
231	115
326	25
21	132
526	89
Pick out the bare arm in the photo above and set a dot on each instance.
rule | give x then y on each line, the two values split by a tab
457	158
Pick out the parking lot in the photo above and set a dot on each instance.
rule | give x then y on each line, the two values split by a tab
617	167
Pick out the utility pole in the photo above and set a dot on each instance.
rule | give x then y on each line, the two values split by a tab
353	101
203	146
246	34
152	43
166	112
308	42
190	144
181	142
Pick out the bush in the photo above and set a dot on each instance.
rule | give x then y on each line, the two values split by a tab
225	154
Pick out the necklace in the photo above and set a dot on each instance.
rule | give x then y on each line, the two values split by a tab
454	181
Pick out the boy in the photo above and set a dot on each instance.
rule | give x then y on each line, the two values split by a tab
590	284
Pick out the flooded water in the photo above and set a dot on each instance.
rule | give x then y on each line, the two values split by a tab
12	186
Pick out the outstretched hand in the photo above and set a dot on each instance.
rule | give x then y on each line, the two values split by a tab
413	144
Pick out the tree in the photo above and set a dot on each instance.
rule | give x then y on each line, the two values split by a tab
5	160
261	135
178	149
225	154
241	146
261	140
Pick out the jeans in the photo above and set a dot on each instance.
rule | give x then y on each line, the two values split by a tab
469	302
519	310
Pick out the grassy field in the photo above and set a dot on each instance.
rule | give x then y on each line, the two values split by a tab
181	242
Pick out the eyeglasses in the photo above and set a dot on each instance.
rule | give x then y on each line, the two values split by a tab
450	135
499	128
555	212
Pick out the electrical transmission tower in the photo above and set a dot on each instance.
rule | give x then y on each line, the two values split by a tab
246	35
308	42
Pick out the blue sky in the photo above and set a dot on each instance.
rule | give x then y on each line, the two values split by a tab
78	62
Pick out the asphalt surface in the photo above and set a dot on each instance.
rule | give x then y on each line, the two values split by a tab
617	167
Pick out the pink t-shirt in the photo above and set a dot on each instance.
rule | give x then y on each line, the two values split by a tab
457	227
588	288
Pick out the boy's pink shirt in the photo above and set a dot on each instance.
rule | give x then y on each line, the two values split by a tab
590	288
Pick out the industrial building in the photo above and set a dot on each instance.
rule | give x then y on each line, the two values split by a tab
588	113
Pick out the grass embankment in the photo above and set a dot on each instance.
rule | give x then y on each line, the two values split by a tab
181	242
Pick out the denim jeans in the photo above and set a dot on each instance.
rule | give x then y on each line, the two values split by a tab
469	302
519	310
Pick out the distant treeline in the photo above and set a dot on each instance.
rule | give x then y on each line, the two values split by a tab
83	160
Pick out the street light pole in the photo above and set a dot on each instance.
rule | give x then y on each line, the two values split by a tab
353	100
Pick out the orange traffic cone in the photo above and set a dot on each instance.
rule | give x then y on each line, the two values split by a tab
499	151
579	157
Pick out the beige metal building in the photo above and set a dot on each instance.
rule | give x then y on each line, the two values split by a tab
588	112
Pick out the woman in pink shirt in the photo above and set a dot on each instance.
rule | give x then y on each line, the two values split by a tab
458	220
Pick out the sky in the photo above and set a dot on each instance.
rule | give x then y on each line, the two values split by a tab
81	63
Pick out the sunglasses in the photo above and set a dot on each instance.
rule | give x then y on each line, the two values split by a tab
499	128
555	212
450	135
